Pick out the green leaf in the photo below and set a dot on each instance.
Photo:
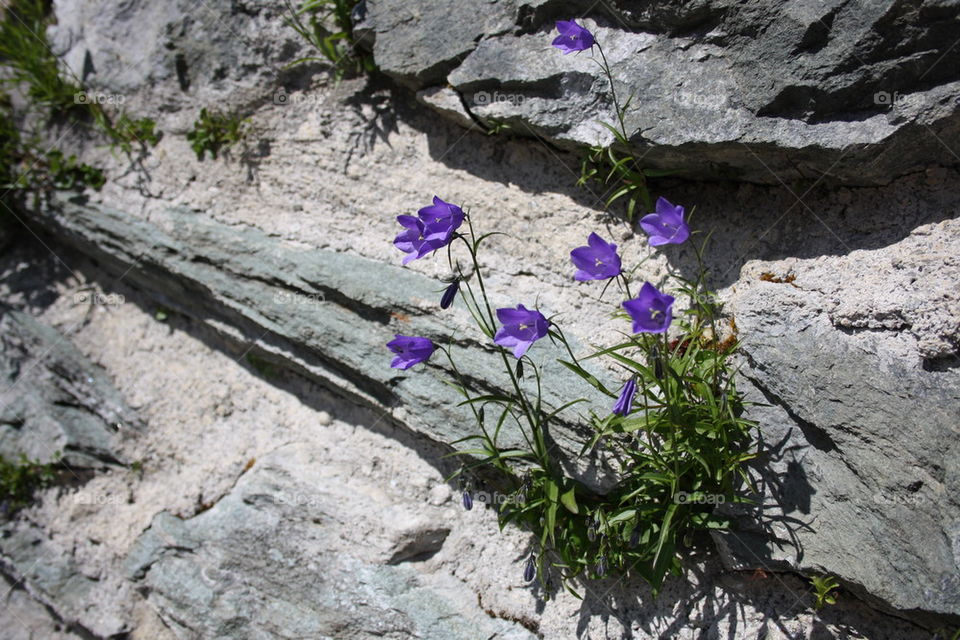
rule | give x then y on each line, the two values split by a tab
590	378
569	500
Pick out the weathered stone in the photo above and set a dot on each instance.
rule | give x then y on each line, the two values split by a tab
861	476
327	315
230	572
760	93
55	401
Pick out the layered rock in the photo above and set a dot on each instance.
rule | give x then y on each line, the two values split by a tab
764	93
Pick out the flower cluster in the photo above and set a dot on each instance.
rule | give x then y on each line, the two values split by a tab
674	430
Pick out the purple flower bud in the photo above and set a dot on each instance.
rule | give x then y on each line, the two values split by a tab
467	501
635	537
591	533
410	350
651	311
624	403
449	294
572	37
521	328
666	226
530	571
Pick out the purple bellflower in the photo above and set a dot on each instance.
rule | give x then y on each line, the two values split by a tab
432	230
410	350
625	402
572	37
596	261
441	219
521	328
666	226
651	311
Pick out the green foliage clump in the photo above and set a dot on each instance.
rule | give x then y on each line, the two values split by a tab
337	45
19	479
26	163
213	131
677	453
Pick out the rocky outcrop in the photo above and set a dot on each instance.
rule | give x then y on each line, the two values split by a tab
863	418
55	402
860	92
292	552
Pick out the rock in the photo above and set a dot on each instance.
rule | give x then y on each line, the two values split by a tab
55	400
861	474
227	573
763	93
244	283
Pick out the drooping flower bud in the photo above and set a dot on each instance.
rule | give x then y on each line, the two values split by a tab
530	571
602	566
450	294
467	501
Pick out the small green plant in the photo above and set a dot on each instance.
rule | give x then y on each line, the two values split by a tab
213	131
823	587
337	45
19	479
25	52
27	162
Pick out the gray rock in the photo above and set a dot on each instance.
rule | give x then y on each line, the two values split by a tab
763	93
863	429
322	314
226	572
54	399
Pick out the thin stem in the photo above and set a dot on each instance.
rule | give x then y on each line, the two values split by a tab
613	91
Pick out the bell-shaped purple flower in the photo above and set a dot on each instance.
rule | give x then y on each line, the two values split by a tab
625	402
413	241
441	220
666	226
449	294
651	311
410	350
521	328
572	37
432	230
596	261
